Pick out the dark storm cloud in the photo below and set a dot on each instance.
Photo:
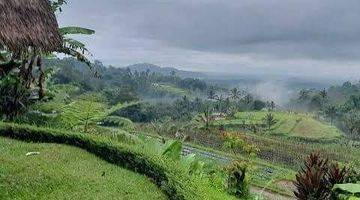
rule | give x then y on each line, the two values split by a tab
249	33
320	28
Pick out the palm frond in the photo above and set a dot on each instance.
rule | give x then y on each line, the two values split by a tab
75	30
72	52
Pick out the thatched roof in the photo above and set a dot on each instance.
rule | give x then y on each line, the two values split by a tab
25	23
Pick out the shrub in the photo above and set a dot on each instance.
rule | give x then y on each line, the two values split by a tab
119	122
269	120
316	179
237	184
14	96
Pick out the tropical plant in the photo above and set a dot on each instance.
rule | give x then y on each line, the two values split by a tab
211	94
304	95
271	105
331	112
206	116
14	96
235	94
237	144
248	99
311	181
82	114
236	183
162	127
347	191
27	61
233	143
74	47
172	149
323	94
193	165
269	120
316	179
351	121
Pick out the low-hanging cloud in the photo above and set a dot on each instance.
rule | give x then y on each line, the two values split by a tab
250	33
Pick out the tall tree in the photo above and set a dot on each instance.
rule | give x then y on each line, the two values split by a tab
235	94
211	94
331	112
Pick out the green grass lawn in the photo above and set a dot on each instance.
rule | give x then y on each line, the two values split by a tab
64	172
289	124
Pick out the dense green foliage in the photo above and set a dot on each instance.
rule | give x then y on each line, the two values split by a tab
340	105
14	96
122	84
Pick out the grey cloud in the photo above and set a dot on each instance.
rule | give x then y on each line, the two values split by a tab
322	28
234	34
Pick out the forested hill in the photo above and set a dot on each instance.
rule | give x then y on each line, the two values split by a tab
124	81
143	67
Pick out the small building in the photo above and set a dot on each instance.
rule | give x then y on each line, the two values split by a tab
28	23
28	29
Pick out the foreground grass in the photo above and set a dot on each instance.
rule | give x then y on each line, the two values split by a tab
64	172
173	179
288	124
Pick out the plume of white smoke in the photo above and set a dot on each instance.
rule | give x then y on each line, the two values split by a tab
272	91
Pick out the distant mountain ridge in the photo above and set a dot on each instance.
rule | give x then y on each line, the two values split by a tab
140	67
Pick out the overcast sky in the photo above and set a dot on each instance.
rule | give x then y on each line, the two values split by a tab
317	38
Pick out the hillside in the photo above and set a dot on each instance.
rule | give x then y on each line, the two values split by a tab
288	124
64	172
142	67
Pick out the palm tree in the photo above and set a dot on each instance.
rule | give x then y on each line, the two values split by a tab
235	94
211	94
271	105
269	120
331	112
352	122
206	117
248	99
323	93
304	95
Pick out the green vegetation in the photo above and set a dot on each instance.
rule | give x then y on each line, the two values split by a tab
167	174
171	90
64	172
289	124
157	135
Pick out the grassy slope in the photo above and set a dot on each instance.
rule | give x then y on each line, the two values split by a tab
64	172
290	124
171	89
172	178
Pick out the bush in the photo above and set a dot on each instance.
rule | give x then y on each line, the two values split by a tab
167	174
14	96
317	178
237	184
138	112
120	122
